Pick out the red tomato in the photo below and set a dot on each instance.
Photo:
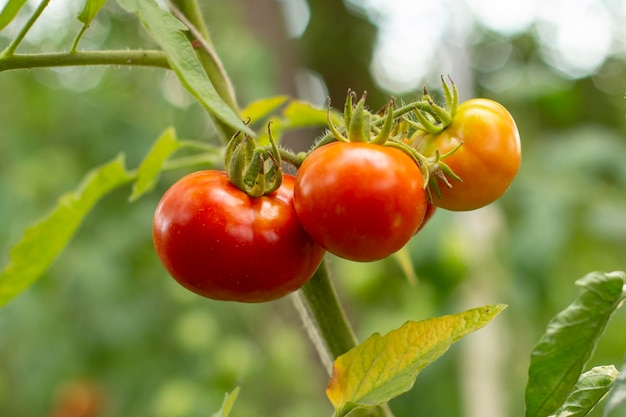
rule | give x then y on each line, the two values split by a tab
218	242
488	160
358	200
430	212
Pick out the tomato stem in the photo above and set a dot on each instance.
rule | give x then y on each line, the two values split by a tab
323	305
327	324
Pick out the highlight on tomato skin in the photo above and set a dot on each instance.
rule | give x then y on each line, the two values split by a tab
360	201
487	160
222	244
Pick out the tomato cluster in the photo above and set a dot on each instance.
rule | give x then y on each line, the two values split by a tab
362	195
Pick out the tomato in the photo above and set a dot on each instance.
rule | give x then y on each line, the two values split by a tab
487	161
360	201
220	243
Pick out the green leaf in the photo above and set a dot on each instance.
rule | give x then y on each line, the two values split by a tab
561	353
228	403
90	10
42	243
167	31
11	9
150	168
303	114
297	115
383	367
260	109
616	404
591	387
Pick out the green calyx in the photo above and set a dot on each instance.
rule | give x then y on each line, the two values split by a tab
360	125
255	170
431	117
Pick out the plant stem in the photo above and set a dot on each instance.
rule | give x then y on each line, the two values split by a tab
149	58
79	36
11	48
325	310
327	324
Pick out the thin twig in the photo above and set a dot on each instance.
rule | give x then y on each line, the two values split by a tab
12	47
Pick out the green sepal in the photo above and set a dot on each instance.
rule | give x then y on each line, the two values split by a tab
257	171
333	129
358	129
445	118
425	123
385	131
348	107
254	175
451	95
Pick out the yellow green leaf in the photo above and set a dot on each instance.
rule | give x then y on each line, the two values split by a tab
43	242
229	401
383	367
260	109
150	168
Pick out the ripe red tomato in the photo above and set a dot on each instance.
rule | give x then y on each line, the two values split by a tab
488	160
360	201
218	242
430	212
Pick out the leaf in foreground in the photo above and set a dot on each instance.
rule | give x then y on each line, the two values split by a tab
10	10
150	168
616	404
591	387
261	109
383	367
229	401
42	243
561	353
167	31
90	10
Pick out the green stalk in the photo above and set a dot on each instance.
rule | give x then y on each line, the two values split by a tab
326	312
65	59
327	324
12	47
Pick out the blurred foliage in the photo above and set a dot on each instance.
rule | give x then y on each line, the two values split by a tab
106	316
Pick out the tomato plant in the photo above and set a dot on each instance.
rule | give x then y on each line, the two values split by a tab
360	201
252	234
487	159
218	242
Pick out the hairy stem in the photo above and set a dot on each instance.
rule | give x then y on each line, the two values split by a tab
12	47
147	58
327	325
328	315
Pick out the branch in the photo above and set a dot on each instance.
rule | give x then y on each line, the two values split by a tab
148	58
10	50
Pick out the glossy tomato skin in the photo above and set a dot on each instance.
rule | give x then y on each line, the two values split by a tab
488	160
220	243
429	213
360	201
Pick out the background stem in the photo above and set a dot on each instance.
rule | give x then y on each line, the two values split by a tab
65	59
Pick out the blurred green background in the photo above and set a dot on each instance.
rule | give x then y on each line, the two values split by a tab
107	323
